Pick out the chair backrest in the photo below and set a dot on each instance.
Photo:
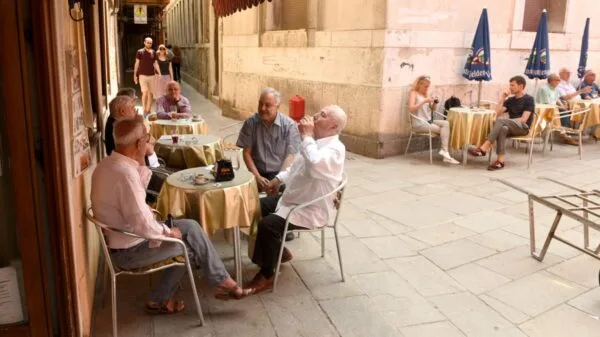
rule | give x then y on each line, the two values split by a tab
538	125
229	145
337	193
584	115
99	228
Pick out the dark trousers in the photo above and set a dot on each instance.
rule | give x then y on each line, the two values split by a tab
155	184
176	71
269	236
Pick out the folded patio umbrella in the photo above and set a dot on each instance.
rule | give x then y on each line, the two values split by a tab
478	66
538	66
584	49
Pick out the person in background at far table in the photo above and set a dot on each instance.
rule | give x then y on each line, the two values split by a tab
566	90
422	105
316	170
117	194
548	94
166	70
520	107
144	72
173	105
589	81
170	52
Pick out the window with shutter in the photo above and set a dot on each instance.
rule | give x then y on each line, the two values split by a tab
287	15
557	11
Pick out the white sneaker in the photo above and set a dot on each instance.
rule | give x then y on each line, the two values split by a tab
450	160
444	154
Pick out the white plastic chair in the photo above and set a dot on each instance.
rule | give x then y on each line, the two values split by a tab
116	271
338	194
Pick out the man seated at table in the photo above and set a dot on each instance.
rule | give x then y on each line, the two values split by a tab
548	94
118	191
173	104
520	107
269	139
316	171
566	90
589	81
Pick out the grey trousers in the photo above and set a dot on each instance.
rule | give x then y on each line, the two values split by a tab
201	252
439	127
505	128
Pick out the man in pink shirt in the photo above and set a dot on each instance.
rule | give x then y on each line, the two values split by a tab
118	200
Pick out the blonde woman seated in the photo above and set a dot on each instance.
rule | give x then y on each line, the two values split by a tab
421	105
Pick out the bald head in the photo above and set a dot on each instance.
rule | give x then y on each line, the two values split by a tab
565	74
173	91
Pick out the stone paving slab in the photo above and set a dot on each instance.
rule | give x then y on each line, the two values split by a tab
429	250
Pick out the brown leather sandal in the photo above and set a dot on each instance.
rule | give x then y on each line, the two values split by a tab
170	306
224	294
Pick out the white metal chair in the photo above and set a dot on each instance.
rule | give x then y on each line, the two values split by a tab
116	271
337	194
579	130
420	133
538	125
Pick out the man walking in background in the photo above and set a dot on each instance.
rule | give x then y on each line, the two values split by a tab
145	72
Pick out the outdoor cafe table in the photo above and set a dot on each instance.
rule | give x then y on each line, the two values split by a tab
469	127
547	112
190	151
224	205
162	127
592	118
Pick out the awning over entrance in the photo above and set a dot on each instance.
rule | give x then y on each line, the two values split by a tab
228	7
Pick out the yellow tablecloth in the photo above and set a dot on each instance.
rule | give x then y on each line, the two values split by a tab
162	127
592	118
190	151
227	205
469	127
547	112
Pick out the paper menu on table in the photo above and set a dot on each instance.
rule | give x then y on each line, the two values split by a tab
11	310
165	137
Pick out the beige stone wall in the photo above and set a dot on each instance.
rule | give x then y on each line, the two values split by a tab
197	59
331	65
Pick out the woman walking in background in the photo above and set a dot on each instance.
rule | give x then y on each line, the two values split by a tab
176	61
166	70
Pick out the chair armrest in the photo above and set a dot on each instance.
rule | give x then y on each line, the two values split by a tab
340	188
157	214
569	113
441	115
418	118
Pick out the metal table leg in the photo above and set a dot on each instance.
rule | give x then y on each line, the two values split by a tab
237	254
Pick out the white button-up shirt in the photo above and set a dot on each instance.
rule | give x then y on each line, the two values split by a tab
565	88
119	201
315	172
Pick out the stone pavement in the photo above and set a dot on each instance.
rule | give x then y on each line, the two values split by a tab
429	250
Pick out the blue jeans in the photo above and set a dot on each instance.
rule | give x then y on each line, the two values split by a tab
201	252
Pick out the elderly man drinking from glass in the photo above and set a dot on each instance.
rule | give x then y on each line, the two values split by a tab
118	191
548	94
173	104
316	171
589	82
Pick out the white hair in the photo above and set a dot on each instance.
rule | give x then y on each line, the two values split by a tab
128	131
273	92
119	103
339	114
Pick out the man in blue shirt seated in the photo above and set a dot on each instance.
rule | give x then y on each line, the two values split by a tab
589	80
